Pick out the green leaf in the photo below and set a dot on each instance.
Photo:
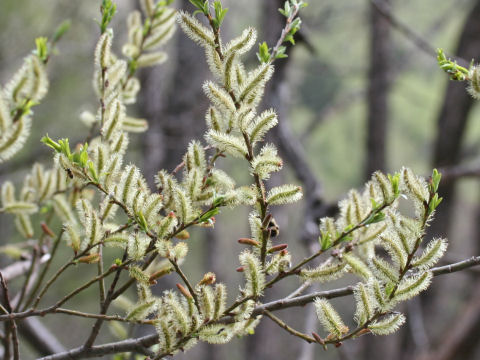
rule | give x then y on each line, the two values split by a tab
263	53
436	177
92	171
375	218
108	10
42	48
49	142
395	182
61	30
200	5
281	52
220	13
434	202
142	221
456	72
208	215
325	241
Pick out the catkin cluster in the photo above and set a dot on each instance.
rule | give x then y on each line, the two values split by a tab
27	88
370	238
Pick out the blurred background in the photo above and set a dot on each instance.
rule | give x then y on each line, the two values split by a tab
360	92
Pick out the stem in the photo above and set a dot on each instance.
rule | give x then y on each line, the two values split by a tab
44	271
289	329
28	277
186	281
105	303
101	283
284	33
13	325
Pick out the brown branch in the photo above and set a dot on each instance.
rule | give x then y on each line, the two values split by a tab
289	329
13	325
137	345
19	268
149	340
410	34
404	29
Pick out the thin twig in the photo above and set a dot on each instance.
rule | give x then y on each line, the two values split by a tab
44	271
13	325
291	330
149	340
105	303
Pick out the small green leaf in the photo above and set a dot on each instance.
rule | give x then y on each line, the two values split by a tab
42	48
436	177
49	142
61	30
325	241
208	215
108	10
395	182
142	222
281	52
92	171
263	53
375	218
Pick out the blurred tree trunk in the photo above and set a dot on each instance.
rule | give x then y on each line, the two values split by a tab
175	114
461	341
452	120
378	90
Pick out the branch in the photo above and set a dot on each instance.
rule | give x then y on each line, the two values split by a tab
19	268
13	325
405	30
146	341
289	329
348	290
460	171
138	345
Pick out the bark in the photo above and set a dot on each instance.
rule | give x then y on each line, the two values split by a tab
378	90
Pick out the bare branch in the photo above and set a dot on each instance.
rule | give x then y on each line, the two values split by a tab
19	268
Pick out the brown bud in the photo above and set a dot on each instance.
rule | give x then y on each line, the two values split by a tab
318	338
183	235
363	332
330	337
208	279
47	230
247	241
338	344
284	252
159	274
276	248
172	214
89	259
240	269
184	291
